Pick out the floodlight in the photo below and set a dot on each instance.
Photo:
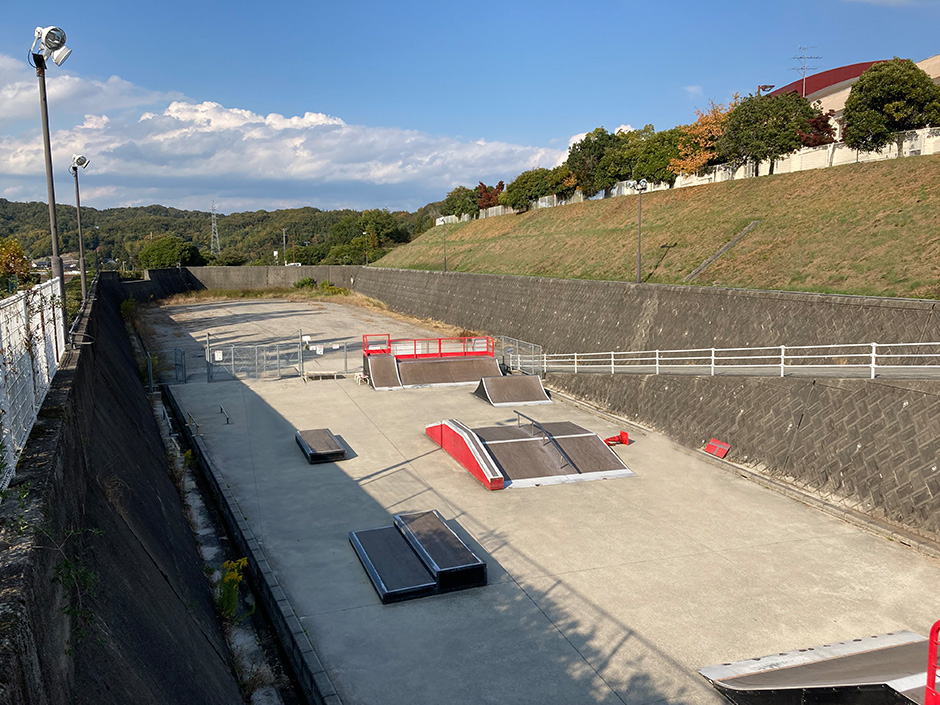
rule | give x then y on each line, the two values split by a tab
50	42
79	160
642	185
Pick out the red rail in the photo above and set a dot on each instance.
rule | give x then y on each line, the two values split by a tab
931	696
412	348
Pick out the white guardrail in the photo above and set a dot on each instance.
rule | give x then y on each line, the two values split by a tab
850	360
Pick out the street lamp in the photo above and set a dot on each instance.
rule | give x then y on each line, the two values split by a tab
80	160
365	235
639	187
444	235
49	42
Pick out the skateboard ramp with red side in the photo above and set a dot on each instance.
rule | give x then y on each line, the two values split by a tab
513	390
528	455
446	371
874	670
383	372
467	449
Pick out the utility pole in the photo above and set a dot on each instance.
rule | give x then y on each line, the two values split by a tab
284	248
802	68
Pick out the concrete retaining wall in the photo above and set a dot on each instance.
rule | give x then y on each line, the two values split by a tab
104	599
871	445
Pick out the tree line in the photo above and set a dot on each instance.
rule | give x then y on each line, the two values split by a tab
889	98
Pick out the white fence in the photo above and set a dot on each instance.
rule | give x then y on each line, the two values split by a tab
899	360
31	345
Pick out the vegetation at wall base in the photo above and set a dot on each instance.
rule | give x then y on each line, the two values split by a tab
869	229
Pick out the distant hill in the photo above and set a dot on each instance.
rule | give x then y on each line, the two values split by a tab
869	229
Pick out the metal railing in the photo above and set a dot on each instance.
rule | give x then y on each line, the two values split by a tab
519	355
848	360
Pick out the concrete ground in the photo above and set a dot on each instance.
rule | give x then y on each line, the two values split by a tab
614	591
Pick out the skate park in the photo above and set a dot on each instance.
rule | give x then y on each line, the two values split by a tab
619	590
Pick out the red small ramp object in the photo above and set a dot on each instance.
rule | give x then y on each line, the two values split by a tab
931	696
623	437
717	448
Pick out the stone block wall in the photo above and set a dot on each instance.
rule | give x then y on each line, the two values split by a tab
871	445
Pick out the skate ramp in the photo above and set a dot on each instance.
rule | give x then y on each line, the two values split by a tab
383	372
513	390
446	371
529	455
874	670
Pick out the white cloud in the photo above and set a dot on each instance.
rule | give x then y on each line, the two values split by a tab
146	147
624	128
693	91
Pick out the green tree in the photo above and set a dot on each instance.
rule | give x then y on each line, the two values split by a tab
766	127
383	225
14	264
585	161
657	152
528	186
168	252
459	201
890	97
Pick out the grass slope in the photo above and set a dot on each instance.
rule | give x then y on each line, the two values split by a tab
860	229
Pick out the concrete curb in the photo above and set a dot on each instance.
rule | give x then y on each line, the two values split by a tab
309	671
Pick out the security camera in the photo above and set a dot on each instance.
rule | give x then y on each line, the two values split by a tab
50	42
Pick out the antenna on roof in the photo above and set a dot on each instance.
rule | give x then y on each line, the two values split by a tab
803	68
214	247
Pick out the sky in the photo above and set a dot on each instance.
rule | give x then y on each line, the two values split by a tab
257	106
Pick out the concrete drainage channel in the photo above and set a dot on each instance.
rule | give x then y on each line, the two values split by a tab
311	677
255	650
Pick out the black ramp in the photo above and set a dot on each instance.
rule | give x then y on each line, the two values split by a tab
453	564
427	372
513	390
393	567
890	668
319	445
383	372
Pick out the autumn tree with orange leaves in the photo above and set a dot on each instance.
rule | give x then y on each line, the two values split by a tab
698	144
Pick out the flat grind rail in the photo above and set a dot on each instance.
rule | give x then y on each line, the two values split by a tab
848	360
549	438
931	696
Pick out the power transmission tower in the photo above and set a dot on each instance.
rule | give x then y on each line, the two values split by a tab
803	68
215	247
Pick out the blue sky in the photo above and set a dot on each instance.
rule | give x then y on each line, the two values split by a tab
388	105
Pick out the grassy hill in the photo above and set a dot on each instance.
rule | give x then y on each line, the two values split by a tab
860	229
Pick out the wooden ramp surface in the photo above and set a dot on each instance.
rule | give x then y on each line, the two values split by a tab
512	390
428	372
526	457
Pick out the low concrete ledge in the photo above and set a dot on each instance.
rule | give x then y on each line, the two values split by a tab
301	654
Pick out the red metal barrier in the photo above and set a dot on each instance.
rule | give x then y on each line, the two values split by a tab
931	696
414	348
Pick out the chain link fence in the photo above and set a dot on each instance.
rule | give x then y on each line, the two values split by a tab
219	363
31	345
515	354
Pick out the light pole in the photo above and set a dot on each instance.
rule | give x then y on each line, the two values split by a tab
49	42
366	236
639	187
444	235
80	160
